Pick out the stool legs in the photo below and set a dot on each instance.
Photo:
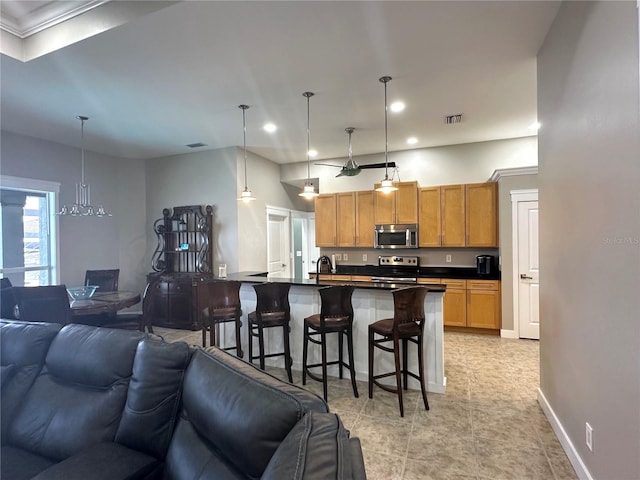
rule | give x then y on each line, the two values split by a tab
352	369
288	361
396	359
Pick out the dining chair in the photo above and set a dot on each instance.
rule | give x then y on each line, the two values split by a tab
43	304
407	325
7	299
106	280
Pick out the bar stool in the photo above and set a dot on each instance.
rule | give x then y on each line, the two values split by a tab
272	310
336	316
223	305
407	325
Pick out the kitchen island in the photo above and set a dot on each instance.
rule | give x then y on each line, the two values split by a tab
371	301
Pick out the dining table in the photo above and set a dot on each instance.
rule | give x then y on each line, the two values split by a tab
104	302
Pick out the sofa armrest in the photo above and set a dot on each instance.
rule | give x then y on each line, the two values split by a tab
103	461
357	460
317	447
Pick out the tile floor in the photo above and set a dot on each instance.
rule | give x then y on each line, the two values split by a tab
487	426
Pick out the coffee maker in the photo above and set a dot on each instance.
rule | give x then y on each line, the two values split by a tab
323	265
485	265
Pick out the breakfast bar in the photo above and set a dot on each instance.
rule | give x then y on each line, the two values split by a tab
371	301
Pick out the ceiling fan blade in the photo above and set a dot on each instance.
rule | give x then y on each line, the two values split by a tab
379	165
328	165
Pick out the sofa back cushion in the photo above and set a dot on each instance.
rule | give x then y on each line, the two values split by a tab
78	398
151	411
234	417
23	347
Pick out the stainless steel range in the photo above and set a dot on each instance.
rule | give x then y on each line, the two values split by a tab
397	269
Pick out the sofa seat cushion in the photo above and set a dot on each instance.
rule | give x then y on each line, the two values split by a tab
236	413
78	398
18	464
104	461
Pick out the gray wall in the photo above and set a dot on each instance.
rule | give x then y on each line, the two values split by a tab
589	174
88	243
452	164
216	177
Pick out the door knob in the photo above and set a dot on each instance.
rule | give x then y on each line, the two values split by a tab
524	276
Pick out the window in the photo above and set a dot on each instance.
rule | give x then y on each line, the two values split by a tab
28	245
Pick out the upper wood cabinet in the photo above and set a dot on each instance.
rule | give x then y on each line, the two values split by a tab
459	215
364	219
325	208
345	219
452	209
429	233
481	219
400	206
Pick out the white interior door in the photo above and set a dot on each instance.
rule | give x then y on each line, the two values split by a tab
528	270
278	239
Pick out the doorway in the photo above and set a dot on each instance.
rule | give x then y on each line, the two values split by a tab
526	264
278	242
304	250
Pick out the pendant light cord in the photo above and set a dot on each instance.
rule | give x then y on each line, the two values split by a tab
82	120
386	143
308	95
244	142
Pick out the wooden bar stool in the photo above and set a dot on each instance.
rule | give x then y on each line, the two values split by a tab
222	300
272	310
336	316
407	325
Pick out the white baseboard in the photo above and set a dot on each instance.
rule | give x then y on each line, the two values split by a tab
565	441
508	333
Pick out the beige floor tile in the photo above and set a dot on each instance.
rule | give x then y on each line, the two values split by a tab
488	425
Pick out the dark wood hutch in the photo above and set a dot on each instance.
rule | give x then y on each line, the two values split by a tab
182	258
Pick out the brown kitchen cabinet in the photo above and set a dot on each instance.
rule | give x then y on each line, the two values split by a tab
364	219
481	214
452	210
455	303
430	232
483	304
345	219
398	207
326	228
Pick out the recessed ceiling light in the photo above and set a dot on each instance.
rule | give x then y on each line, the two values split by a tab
412	140
535	126
196	145
313	153
269	127
397	106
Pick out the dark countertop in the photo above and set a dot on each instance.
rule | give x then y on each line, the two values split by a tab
261	277
467	273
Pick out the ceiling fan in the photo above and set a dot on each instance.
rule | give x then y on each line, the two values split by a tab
351	167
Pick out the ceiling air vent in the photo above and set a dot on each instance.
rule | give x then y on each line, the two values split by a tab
452	119
196	145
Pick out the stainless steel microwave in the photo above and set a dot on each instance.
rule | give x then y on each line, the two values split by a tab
396	236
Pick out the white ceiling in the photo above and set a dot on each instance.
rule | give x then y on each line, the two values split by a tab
176	76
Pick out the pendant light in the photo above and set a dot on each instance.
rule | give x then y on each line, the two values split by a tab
308	191
386	185
245	196
82	206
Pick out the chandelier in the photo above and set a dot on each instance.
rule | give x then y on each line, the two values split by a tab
82	206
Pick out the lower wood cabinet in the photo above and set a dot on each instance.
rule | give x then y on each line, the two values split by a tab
471	303
170	300
483	304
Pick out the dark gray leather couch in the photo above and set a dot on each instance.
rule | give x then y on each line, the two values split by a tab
81	402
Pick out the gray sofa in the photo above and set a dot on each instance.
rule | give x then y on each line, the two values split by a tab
82	402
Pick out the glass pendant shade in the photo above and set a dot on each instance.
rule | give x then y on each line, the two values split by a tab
246	195
386	185
82	206
308	191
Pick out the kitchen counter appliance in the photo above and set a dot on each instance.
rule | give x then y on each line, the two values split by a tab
397	269
396	236
485	264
